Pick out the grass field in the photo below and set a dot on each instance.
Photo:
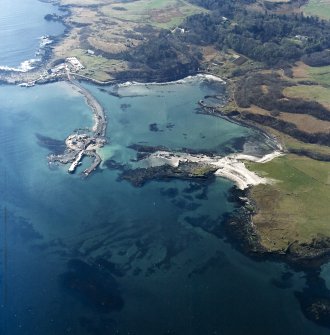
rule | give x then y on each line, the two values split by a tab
83	3
296	207
320	74
98	67
316	93
159	13
319	8
308	123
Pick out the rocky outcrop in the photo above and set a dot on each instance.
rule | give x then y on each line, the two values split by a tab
138	177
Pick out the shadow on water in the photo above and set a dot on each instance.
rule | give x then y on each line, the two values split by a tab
21	229
54	146
220	260
95	288
170	192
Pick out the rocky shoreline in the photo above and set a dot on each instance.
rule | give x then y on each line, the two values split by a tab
242	233
241	226
307	257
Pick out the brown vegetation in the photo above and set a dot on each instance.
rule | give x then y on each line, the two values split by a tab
306	123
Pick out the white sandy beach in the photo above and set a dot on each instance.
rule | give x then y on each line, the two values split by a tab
231	167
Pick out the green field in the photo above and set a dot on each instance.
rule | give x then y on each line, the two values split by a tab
297	206
97	67
317	93
320	74
159	13
291	143
319	8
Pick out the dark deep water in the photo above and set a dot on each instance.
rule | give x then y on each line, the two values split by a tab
98	256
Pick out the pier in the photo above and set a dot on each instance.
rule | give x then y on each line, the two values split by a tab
76	162
78	144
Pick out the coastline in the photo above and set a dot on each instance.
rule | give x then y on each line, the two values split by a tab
230	167
238	227
31	69
233	169
242	233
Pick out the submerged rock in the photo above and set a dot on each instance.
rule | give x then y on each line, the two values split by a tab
91	286
55	146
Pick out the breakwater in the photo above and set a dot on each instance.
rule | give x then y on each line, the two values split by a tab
83	144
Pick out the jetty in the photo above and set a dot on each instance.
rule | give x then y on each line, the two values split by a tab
79	145
76	162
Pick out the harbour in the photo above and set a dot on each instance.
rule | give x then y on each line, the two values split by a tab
78	144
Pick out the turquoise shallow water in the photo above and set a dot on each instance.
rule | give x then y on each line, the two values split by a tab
178	122
98	256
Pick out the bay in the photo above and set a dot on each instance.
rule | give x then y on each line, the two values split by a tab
98	256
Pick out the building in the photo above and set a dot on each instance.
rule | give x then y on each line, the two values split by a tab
75	64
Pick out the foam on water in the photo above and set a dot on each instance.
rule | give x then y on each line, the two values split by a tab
24	32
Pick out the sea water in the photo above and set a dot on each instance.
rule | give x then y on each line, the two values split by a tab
99	256
22	24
